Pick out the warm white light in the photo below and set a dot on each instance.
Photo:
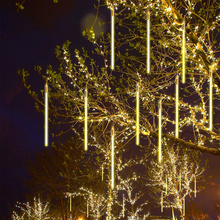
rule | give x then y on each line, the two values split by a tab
183	207
112	157
161	201
166	184
173	214
87	211
183	52
102	173
46	115
86	119
123	208
195	186
211	101
148	41
160	132
113	37
177	108
70	202
180	182
137	115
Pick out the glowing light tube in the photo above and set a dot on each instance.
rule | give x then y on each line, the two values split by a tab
102	173
211	101
87	211
148	41
70	202
86	120
166	184
195	186
123	207
112	157
177	108
46	114
184	211
161	201
183	53
113	38
180	182
160	132
137	115
173	213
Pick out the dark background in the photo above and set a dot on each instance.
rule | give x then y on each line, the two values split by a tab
28	38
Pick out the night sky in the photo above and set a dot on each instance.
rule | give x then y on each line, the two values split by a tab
28	38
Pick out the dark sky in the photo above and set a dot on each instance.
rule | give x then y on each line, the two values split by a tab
28	38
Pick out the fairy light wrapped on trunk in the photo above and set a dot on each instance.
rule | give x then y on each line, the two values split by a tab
86	119
160	131
177	107
46	114
183	53
211	100
148	40
112	157
113	37
137	114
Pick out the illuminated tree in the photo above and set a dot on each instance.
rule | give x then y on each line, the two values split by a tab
38	210
175	178
161	85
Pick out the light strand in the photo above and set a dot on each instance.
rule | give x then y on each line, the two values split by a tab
123	207
102	173
184	208
166	184
195	186
46	114
161	201
173	213
87	209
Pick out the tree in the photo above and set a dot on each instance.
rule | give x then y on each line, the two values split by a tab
38	210
116	96
175	178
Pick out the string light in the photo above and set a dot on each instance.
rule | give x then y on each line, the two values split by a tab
102	173
166	184
87	209
184	208
148	40
137	114
123	209
86	119
177	108
161	201
46	114
160	132
173	213
112	37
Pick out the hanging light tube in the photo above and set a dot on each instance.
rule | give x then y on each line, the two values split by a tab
46	114
137	114
195	186
112	157
211	101
166	184
161	201
87	209
173	213
113	37
184	208
70	202
183	52
123	207
180	181
160	132
148	40
177	108
102	173
86	119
